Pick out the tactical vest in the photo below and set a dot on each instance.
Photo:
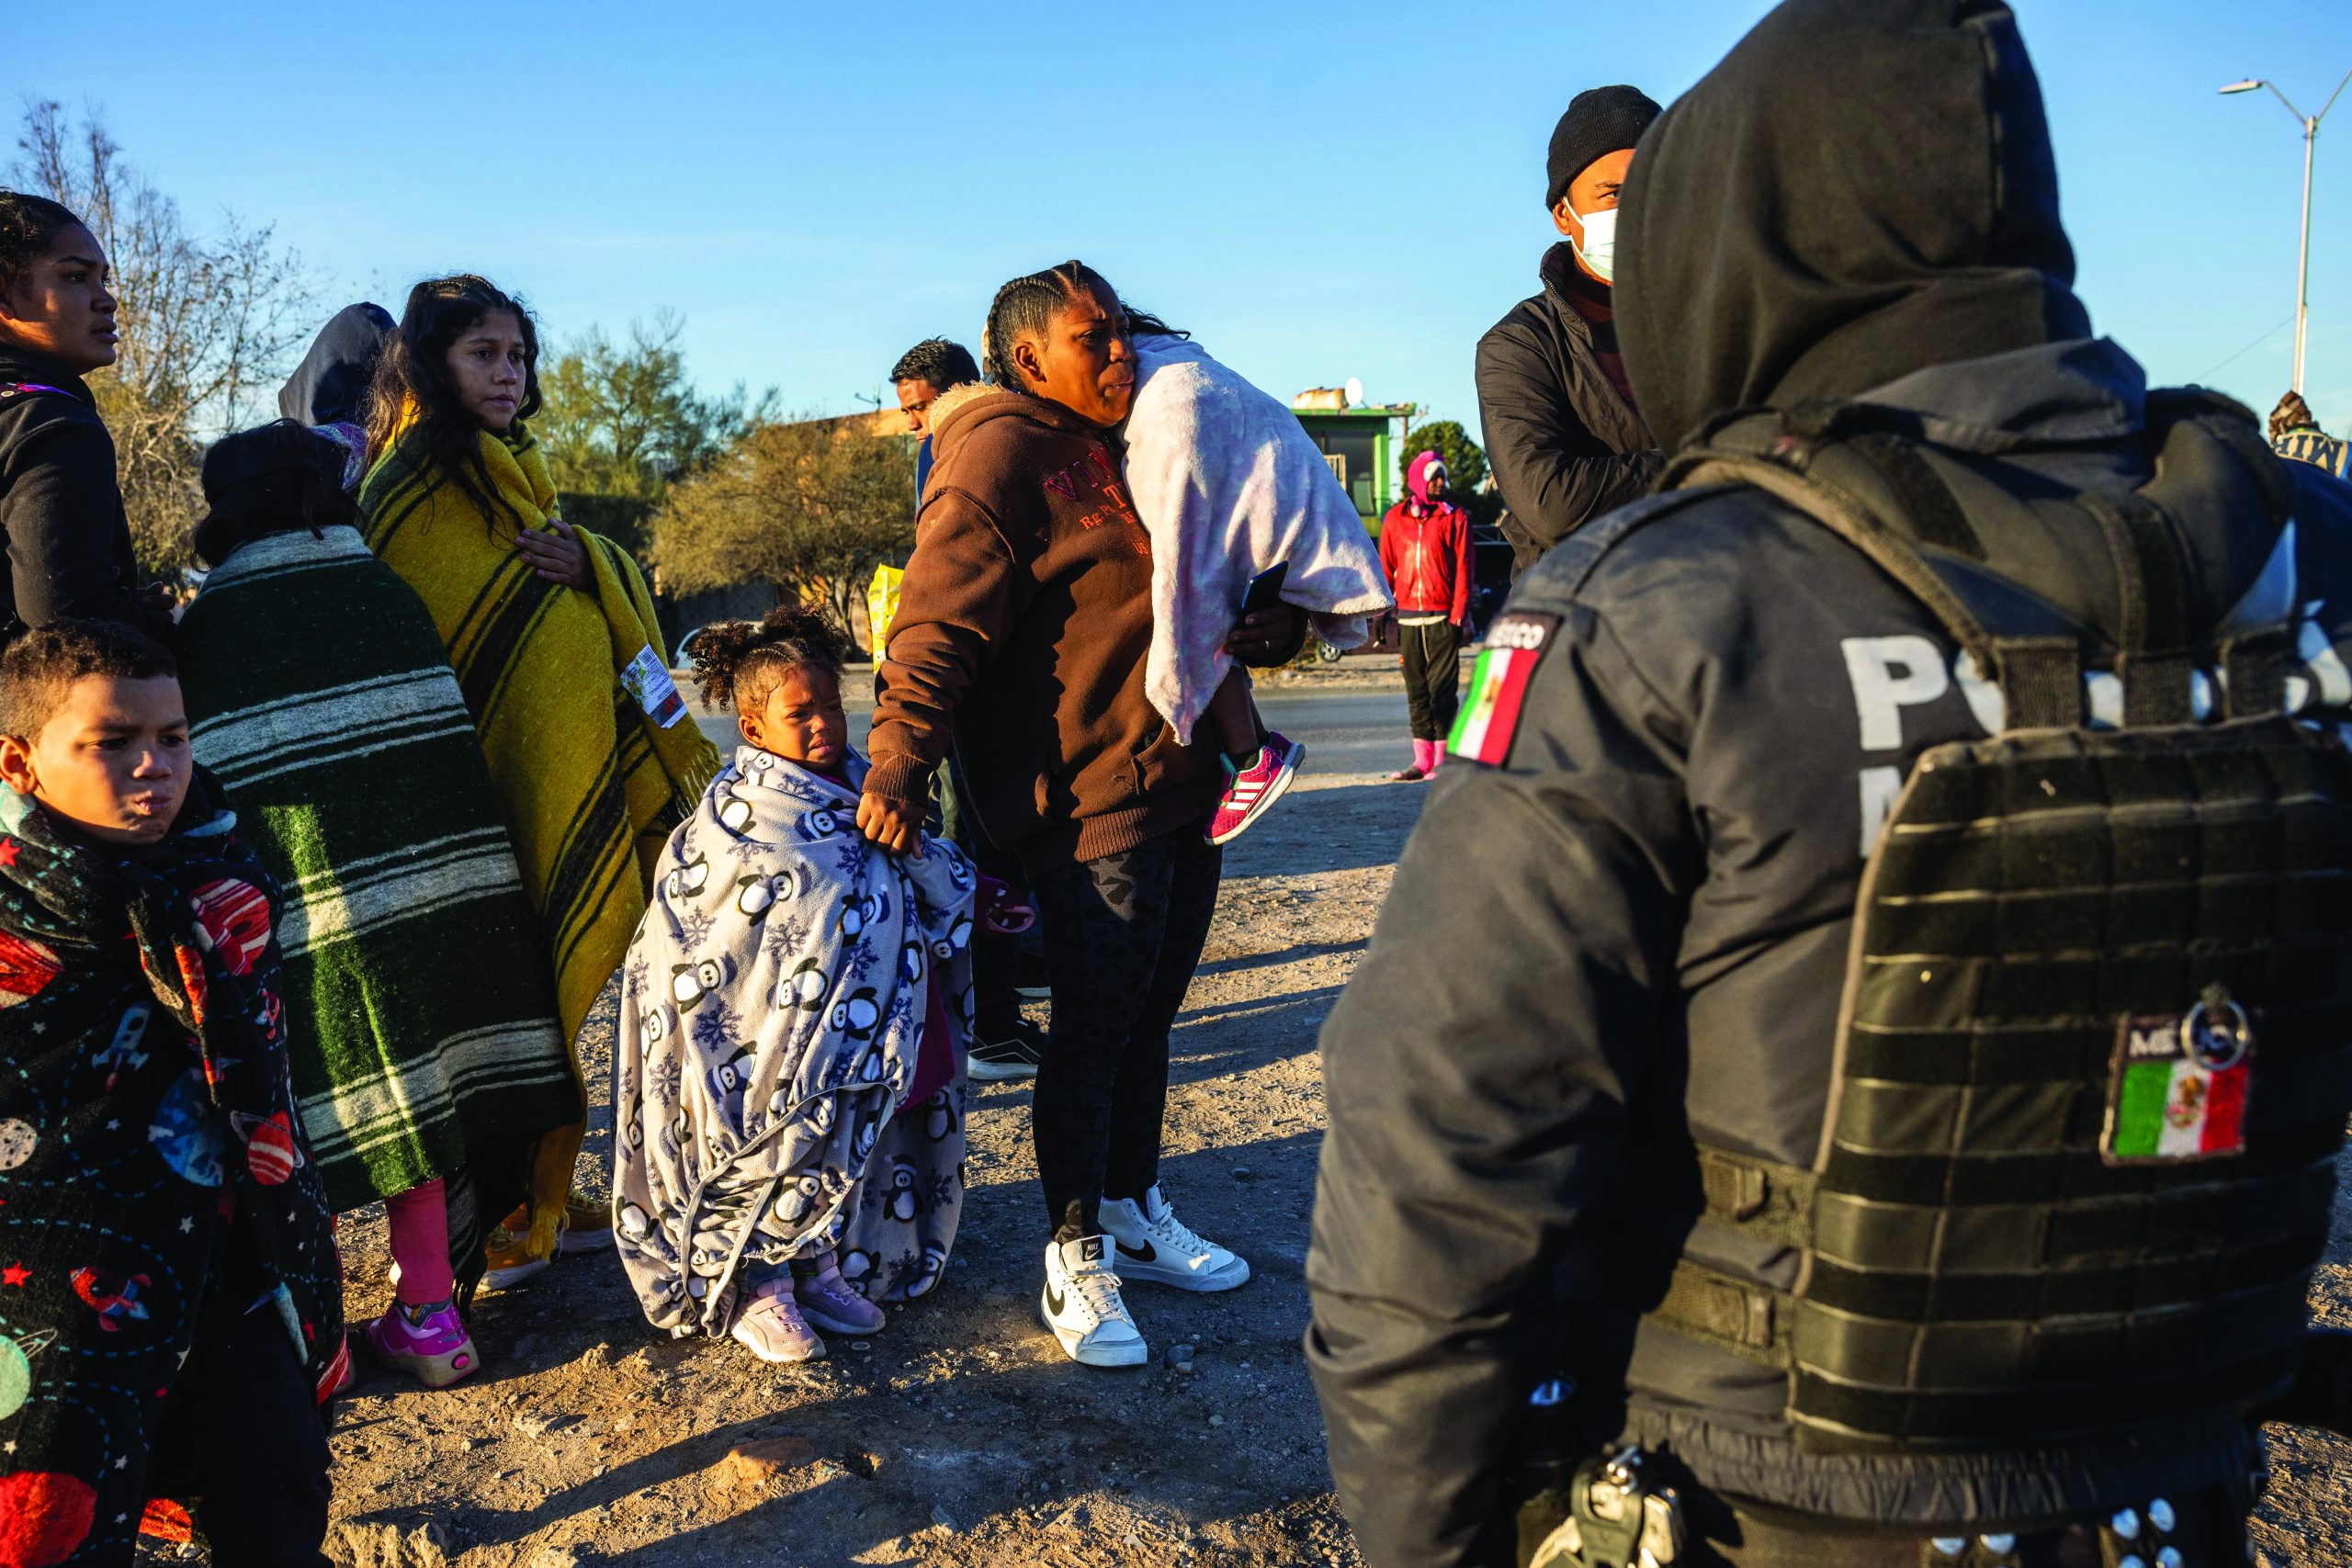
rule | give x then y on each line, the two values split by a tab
2091	1067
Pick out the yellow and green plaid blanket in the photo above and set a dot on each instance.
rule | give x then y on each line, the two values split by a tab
589	784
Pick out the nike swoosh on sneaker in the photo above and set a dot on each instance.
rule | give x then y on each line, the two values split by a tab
1053	1299
1145	1254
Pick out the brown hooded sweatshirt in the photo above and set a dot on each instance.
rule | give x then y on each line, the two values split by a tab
1020	636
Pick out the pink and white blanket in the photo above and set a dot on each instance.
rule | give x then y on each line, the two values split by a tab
1228	483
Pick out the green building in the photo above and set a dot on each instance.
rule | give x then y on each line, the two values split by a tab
1364	443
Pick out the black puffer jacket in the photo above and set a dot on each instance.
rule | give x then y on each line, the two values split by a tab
1626	931
1564	447
61	507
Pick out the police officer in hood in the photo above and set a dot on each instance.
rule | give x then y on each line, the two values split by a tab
1850	1069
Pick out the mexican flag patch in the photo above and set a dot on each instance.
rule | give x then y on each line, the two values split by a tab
2178	1090
1489	717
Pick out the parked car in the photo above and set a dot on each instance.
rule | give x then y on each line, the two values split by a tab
1490	564
686	647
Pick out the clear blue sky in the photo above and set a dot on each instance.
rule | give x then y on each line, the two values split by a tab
1317	192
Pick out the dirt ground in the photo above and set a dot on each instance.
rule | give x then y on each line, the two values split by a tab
960	1436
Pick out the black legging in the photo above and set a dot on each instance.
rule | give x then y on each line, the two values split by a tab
1432	672
242	1432
1123	936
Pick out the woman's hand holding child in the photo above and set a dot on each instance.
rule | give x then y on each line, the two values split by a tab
1262	637
886	825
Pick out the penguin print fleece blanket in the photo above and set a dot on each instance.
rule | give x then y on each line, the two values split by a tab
145	1106
775	1008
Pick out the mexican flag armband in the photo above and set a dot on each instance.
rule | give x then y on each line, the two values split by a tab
1490	714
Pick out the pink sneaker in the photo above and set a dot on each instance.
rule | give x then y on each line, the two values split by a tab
828	1301
769	1325
1256	787
430	1343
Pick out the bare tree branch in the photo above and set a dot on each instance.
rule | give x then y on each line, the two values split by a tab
208	324
812	505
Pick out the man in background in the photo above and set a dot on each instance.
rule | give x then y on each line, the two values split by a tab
1562	433
1004	1044
931	367
2295	433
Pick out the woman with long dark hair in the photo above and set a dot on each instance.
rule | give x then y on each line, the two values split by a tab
552	631
61	520
1021	638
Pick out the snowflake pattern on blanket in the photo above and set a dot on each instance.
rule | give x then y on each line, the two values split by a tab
773	1015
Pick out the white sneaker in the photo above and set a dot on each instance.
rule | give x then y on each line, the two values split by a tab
1081	1305
1156	1247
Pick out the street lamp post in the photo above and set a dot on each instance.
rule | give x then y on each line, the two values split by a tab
2304	249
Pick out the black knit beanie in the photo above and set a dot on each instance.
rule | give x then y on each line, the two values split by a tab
1600	120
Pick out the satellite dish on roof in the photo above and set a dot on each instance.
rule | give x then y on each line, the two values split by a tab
1353	392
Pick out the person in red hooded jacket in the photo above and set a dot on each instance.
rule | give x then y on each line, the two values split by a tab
1425	549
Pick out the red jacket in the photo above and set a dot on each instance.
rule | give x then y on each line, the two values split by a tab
1428	560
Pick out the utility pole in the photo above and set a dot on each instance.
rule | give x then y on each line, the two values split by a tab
2303	248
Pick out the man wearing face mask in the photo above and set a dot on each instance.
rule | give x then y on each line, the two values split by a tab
1562	433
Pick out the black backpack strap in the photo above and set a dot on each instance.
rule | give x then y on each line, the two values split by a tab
1735	1316
2153	657
2199	436
1761	452
1930	508
2255	668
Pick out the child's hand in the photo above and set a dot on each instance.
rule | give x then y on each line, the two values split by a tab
886	825
1004	910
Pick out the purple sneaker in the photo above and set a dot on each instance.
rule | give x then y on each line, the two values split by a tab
1256	787
430	1343
769	1325
828	1301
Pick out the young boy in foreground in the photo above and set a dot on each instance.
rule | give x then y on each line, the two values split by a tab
170	1298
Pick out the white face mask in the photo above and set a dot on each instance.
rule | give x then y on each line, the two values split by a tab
1599	247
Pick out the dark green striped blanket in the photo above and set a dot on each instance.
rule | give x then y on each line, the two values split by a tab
420	998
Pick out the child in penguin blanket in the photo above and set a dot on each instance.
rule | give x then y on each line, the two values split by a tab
789	1085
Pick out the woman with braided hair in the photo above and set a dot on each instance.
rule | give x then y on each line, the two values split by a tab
1020	639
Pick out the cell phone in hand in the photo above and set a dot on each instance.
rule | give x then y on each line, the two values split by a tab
1265	589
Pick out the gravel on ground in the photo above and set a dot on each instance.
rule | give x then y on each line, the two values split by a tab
959	1435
